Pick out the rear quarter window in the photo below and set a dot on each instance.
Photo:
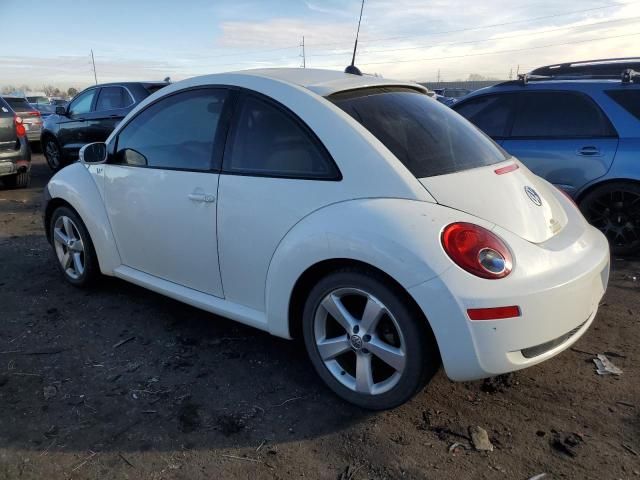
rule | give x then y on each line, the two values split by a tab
627	99
428	138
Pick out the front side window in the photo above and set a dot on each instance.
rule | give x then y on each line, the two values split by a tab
427	137
82	104
177	132
490	113
113	98
560	115
268	141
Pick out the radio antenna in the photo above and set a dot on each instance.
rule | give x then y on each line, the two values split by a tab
352	69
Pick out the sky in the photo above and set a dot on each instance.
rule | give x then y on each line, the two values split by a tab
405	39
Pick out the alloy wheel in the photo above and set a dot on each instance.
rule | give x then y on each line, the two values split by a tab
359	341
52	152
69	247
617	215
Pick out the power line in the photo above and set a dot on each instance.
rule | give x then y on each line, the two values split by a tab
482	27
491	39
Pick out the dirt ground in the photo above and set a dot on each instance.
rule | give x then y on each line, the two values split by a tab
119	382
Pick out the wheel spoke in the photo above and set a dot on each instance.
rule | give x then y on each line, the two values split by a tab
68	227
333	347
336	309
66	260
364	374
373	311
392	356
77	263
77	246
60	237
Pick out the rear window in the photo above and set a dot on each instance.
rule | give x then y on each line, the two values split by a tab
19	104
427	137
627	99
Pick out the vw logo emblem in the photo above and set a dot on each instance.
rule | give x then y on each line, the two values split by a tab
356	342
533	195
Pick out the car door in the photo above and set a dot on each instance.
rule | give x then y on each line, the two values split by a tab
72	128
563	137
112	105
161	187
276	172
492	114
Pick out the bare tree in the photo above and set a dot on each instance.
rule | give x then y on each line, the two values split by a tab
72	92
8	89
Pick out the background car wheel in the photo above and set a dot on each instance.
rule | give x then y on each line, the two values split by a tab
52	153
366	340
19	180
614	209
73	247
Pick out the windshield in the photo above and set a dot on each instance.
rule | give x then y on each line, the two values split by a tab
427	137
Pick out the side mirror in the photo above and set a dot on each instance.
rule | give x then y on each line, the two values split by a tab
93	153
61	110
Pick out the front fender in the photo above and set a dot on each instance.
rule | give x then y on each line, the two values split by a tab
400	237
75	185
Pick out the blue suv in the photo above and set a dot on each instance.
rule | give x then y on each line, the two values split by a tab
578	126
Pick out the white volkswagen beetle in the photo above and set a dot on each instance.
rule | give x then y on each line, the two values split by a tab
354	213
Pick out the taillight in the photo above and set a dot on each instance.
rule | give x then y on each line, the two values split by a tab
33	114
476	250
20	130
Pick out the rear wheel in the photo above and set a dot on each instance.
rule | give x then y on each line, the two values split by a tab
614	209
52	153
73	248
366	341
18	180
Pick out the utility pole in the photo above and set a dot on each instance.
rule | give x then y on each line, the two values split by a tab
93	61
438	81
511	73
304	57
518	71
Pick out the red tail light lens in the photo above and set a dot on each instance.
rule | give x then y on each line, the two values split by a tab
477	250
34	113
20	130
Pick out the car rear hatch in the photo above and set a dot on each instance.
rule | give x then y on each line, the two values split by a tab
506	194
8	135
30	116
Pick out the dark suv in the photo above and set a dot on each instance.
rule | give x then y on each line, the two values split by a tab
90	117
578	126
15	155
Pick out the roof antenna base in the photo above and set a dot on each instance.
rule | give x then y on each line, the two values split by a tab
353	70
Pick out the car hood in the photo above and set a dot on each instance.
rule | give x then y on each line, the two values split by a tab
513	198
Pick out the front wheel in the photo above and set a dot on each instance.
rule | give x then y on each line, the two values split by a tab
366	340
73	248
52	153
614	209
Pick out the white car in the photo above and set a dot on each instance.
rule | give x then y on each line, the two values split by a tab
354	213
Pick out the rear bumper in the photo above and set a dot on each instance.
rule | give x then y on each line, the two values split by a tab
14	161
558	303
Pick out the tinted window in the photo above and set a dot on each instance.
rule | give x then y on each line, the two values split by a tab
427	137
558	115
82	103
270	141
113	98
19	104
627	99
490	113
176	132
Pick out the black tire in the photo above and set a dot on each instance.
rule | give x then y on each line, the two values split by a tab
52	153
614	209
422	355
90	260
19	180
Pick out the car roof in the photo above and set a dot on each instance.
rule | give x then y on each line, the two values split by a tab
322	82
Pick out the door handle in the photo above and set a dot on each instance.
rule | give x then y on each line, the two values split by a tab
589	151
202	197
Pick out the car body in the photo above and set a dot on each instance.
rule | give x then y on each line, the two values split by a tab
580	133
45	109
90	117
310	204
15	155
31	118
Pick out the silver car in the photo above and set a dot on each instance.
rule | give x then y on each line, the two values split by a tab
31	118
